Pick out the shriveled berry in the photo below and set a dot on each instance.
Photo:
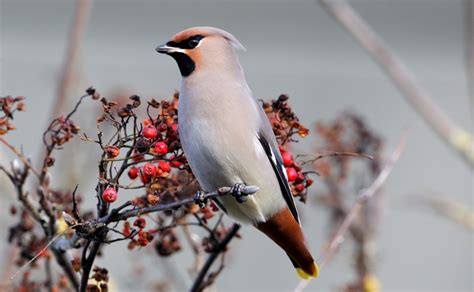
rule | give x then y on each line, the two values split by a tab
299	187
150	132
309	182
162	127
138	157
133	173
142	145
287	159
109	195
300	177
164	165
291	174
149	170
161	148
175	161
140	223
112	151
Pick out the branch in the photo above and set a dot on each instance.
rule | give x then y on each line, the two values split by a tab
453	211
457	138
362	197
199	198
469	33
221	247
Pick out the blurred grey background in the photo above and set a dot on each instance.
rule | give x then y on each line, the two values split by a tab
293	47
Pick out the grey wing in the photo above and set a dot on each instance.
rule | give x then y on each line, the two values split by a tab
270	145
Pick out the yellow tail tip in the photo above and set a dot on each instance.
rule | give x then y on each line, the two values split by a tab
305	276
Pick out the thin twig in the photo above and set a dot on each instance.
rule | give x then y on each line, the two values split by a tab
457	138
333	154
20	156
361	199
36	256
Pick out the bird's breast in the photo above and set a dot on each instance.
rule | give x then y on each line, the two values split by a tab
219	138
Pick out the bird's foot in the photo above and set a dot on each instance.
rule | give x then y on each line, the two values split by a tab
241	192
200	199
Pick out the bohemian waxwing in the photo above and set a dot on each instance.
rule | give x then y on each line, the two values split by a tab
228	139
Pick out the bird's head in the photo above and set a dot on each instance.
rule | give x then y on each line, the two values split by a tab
199	47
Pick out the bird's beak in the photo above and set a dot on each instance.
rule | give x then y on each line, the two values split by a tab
165	49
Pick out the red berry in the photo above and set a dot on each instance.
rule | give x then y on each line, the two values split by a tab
144	178
309	182
112	151
159	172
299	187
149	170
161	148
174	127
164	165
287	159
150	132
133	173
109	195
147	122
291	173
282	149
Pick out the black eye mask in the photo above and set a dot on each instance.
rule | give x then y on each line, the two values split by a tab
189	43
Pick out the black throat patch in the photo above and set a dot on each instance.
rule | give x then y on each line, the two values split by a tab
185	63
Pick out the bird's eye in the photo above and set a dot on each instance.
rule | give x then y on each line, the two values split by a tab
193	42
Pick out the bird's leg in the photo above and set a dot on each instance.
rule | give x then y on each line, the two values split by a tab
239	192
200	199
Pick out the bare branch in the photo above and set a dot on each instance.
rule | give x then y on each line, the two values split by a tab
114	216
457	138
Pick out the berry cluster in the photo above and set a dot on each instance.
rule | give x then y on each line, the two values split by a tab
286	126
298	179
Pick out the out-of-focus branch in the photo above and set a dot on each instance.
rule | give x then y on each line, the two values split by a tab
361	199
460	140
453	211
469	40
69	70
221	247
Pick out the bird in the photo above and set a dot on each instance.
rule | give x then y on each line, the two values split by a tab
228	139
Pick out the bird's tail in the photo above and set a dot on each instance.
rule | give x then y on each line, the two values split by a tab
283	229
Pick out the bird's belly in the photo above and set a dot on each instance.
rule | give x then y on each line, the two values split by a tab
220	158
